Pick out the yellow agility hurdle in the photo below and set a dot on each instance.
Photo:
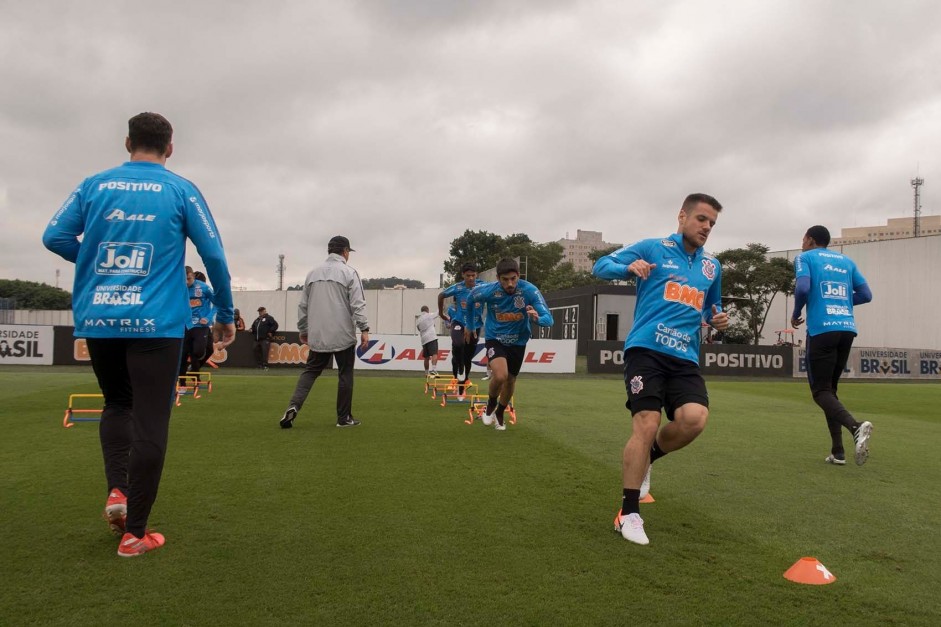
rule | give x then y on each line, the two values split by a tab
204	379
478	405
439	383
468	392
190	385
69	420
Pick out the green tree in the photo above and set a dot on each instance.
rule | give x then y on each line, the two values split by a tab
564	276
597	254
32	295
392	281
480	247
750	282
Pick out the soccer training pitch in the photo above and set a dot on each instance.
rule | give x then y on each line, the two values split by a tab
416	518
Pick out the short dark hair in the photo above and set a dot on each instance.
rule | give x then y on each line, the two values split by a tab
189	270
470	266
694	199
820	235
505	266
149	132
424	308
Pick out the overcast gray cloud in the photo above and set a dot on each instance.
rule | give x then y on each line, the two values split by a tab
400	124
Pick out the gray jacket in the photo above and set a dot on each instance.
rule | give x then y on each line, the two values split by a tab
332	302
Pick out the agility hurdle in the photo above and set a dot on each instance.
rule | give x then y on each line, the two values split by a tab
204	379
191	384
478	405
439	383
69	420
468	392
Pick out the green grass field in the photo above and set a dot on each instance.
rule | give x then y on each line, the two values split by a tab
416	518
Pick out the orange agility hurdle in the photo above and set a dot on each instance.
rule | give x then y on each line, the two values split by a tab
455	398
439	383
71	410
478	405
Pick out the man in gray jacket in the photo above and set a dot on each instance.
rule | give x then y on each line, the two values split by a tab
334	304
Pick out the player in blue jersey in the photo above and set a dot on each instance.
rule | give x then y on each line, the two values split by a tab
463	345
678	286
130	304
830	284
512	304
198	338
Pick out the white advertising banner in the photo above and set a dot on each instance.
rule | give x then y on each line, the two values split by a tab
882	363
26	344
404	352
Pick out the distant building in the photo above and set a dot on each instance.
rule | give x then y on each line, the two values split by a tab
575	251
895	228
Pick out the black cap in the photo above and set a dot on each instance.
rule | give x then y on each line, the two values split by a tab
338	241
262	309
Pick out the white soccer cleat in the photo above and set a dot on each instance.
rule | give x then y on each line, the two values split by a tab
862	442
460	398
645	484
836	461
488	419
631	527
500	427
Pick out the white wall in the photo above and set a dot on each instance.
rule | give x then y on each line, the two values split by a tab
906	294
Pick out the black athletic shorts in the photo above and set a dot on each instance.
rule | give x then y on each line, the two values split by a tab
656	381
430	349
513	354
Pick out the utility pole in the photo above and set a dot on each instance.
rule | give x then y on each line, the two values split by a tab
57	278
281	270
917	182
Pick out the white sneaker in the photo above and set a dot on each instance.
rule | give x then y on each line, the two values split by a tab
499	427
833	459
631	528
460	398
862	442
485	377
488	419
645	484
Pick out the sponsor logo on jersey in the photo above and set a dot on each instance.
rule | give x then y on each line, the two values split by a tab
128	186
115	258
669	264
202	216
118	215
833	289
508	316
196	302
708	269
669	243
832	268
117	298
518	301
124	325
838	310
676	293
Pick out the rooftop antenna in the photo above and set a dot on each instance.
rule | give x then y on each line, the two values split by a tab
917	182
281	270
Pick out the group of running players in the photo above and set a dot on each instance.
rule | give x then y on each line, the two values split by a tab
133	310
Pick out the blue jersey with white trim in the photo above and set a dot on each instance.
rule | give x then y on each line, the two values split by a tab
674	300
460	292
201	303
507	320
130	278
833	279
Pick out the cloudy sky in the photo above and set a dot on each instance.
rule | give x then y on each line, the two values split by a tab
402	123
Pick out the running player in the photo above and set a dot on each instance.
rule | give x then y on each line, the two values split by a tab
829	283
464	345
198	339
678	285
512	305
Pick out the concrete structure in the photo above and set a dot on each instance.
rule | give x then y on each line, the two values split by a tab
895	228
905	290
592	312
575	251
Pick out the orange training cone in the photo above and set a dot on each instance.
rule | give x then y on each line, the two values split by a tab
810	571
647	499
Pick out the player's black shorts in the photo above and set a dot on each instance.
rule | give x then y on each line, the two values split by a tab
656	381
430	349
513	354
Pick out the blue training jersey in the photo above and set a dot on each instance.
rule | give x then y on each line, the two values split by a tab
507	321
673	301
201	303
833	279
460	293
130	278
